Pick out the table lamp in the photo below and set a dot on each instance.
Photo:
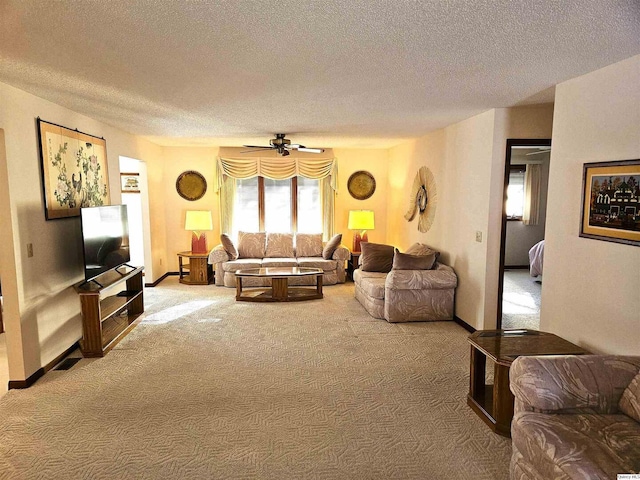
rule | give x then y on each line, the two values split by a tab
360	220
198	221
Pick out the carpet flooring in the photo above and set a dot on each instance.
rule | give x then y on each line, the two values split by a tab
207	387
521	300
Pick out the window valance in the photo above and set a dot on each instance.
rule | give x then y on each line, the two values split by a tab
277	168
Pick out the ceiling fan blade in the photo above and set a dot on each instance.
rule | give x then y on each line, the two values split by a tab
258	146
310	150
538	152
258	149
295	146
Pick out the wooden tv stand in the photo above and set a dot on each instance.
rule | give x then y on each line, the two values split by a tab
107	318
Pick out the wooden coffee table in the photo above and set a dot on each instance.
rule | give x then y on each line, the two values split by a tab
280	290
494	403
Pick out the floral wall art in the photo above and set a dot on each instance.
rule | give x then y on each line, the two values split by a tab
74	170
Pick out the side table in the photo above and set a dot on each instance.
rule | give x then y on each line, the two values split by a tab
197	271
494	402
352	263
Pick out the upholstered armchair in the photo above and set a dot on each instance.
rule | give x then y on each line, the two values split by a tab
576	417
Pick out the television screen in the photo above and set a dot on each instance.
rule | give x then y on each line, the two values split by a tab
105	238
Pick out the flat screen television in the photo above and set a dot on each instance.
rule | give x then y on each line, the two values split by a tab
105	239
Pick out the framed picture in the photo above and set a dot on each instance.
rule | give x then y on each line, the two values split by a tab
74	170
130	182
611	201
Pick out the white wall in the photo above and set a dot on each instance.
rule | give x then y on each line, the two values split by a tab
590	287
42	311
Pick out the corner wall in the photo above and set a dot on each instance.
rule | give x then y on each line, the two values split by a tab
42	310
376	162
467	160
590	287
176	161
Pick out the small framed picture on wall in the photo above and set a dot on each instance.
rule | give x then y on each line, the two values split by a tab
130	182
611	201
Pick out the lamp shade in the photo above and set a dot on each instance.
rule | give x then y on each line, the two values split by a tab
198	220
361	220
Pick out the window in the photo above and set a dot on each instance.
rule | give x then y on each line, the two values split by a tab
292	205
515	192
277	206
246	217
309	206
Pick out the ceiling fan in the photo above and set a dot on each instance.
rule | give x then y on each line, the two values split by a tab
283	146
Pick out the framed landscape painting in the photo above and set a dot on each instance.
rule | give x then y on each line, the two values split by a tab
611	201
74	170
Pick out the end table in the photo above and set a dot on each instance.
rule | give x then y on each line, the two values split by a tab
352	263
494	402
197	271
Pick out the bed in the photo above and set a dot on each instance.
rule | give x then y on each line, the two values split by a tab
536	255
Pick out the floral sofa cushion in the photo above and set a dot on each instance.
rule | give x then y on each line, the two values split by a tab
279	245
309	245
251	245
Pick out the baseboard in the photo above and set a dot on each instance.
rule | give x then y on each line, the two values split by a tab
168	274
516	267
35	376
463	324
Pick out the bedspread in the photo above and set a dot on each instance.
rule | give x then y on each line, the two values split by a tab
536	255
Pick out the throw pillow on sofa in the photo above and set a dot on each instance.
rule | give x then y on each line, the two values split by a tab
279	245
421	249
376	257
251	245
309	245
405	261
331	246
229	247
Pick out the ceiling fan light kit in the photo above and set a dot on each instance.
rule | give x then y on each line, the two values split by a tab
282	146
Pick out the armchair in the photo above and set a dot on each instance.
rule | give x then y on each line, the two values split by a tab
575	417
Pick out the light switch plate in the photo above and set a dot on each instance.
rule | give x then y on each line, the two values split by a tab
479	236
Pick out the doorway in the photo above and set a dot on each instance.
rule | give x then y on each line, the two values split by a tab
526	182
135	195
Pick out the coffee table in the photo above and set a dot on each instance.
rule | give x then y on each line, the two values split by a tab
494	402
280	290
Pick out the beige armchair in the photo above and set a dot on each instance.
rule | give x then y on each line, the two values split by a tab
575	417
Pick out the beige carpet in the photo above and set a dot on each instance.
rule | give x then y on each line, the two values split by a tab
206	387
521	300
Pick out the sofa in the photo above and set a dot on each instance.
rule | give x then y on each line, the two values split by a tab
406	294
575	417
263	250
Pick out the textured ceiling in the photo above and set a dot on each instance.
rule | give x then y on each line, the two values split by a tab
332	73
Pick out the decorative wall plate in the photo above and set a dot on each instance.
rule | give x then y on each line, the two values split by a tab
361	185
191	185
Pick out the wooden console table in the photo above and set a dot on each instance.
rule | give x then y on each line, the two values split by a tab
106	319
494	402
197	271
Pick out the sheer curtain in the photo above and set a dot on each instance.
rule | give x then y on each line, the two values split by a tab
227	201
328	208
532	185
